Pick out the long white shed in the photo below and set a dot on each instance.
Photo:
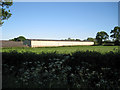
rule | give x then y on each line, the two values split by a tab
49	43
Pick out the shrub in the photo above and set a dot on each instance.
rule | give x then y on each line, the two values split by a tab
117	42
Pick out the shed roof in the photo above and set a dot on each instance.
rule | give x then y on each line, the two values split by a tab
55	40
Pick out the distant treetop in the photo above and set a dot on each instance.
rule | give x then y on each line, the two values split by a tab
70	39
20	38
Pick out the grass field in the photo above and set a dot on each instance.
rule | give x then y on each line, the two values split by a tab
66	50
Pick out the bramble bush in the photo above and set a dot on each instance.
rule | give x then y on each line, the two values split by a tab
51	70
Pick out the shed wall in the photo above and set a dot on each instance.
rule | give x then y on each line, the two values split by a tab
58	43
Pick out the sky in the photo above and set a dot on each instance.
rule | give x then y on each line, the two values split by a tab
60	20
66	0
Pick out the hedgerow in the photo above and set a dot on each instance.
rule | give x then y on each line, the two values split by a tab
52	70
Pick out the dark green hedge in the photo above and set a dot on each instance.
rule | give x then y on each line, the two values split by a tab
51	70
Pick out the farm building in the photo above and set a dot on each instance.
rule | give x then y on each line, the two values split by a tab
47	43
6	43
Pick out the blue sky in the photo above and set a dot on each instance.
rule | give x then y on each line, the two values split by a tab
39	20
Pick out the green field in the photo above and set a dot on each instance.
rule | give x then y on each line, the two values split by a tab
66	50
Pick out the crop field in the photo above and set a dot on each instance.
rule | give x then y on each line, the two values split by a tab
62	50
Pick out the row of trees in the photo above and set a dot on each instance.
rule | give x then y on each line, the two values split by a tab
70	39
103	36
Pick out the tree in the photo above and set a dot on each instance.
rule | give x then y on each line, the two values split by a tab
116	35
20	38
85	40
101	36
91	39
78	40
4	10
69	39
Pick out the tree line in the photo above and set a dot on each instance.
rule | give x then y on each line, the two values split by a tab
102	37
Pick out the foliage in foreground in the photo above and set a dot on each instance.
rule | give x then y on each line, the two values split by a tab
50	70
4	10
